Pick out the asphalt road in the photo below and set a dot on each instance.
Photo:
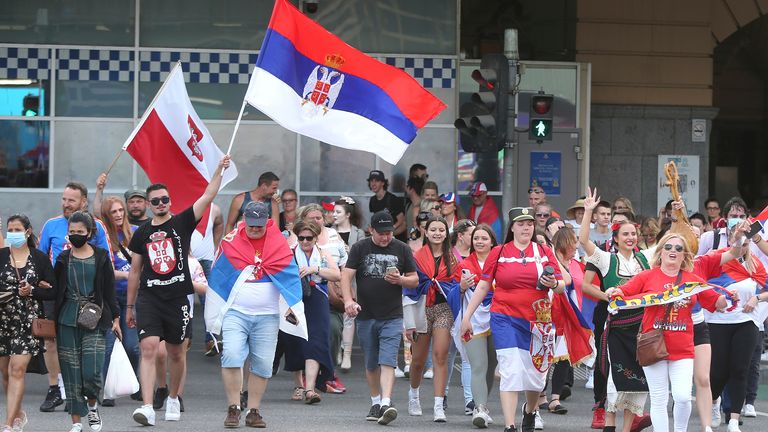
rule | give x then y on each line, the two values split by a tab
206	406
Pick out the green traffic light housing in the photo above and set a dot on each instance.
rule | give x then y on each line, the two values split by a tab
31	106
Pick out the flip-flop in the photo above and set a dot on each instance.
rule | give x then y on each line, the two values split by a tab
558	409
544	406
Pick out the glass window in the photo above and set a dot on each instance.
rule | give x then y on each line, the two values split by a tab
94	98
24	97
76	22
78	141
232	24
211	101
392	26
557	80
329	168
24	150
433	147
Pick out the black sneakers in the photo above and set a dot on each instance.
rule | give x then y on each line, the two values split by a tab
529	421
388	414
52	399
161	393
374	413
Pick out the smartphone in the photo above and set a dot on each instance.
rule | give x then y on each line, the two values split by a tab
754	229
392	270
465	272
291	318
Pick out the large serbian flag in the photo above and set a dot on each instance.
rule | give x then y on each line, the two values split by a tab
254	264
173	147
313	83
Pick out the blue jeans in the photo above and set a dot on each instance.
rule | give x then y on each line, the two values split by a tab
249	336
130	337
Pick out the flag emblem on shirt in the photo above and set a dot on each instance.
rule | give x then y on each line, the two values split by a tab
160	252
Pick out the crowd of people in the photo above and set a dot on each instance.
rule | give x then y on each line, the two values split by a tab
422	281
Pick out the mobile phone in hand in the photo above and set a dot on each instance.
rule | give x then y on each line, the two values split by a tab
754	229
392	270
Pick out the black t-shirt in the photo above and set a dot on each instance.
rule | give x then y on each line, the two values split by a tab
392	203
164	250
378	298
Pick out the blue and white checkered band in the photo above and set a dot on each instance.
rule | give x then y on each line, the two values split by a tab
25	63
86	64
429	72
95	65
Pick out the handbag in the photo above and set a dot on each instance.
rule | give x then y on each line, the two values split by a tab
88	313
651	347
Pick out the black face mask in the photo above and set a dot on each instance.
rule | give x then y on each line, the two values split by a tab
78	240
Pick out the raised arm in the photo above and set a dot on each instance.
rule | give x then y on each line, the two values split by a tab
101	183
590	203
213	188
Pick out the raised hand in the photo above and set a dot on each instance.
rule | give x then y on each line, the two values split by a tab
591	200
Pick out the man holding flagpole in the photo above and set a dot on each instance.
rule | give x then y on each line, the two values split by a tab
162	286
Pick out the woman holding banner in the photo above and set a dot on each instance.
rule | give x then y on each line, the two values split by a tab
672	266
617	374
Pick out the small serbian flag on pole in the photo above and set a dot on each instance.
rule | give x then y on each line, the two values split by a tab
313	83
173	147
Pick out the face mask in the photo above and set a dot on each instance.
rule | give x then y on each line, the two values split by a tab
78	240
16	239
732	222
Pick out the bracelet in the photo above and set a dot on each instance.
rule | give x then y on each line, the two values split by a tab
130	306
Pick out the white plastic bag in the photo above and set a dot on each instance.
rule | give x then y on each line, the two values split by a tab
120	380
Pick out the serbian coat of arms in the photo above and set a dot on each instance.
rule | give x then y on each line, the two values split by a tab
160	252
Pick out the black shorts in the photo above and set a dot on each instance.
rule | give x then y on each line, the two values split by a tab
167	319
700	334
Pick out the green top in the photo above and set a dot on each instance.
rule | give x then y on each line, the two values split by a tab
81	274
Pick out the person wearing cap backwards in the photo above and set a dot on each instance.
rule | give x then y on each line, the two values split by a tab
521	314
251	316
382	266
484	210
161	287
385	200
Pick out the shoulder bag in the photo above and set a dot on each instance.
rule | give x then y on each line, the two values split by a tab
651	347
89	313
41	327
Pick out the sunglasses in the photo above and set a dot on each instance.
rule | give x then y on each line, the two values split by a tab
307	238
542	215
668	247
156	201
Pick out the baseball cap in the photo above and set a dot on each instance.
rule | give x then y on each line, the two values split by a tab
382	221
134	193
328	206
376	175
478	188
449	198
256	214
520	213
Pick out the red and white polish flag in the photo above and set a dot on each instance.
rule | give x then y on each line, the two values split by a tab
173	146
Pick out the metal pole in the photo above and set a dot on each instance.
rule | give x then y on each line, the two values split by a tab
508	192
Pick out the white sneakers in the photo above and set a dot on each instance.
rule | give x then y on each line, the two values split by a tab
76	427
591	380
414	407
480	417
172	409
94	419
538	423
439	414
429	373
733	425
749	411
716	415
399	373
144	415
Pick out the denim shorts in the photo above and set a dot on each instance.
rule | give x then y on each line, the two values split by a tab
380	340
254	335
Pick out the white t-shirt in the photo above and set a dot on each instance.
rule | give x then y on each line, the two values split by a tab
746	290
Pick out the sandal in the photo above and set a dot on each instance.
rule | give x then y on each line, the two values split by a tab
298	393
558	408
311	397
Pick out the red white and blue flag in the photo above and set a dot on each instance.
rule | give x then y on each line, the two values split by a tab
173	147
239	262
313	83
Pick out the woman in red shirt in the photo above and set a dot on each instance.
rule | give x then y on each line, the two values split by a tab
672	265
521	314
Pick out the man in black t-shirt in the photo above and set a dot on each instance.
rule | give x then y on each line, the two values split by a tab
382	266
160	276
385	200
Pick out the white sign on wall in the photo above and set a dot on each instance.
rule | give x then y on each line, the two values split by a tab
698	130
688	170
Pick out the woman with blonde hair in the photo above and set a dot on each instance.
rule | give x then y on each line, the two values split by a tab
672	265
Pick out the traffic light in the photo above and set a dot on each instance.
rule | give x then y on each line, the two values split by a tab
483	121
31	106
541	117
